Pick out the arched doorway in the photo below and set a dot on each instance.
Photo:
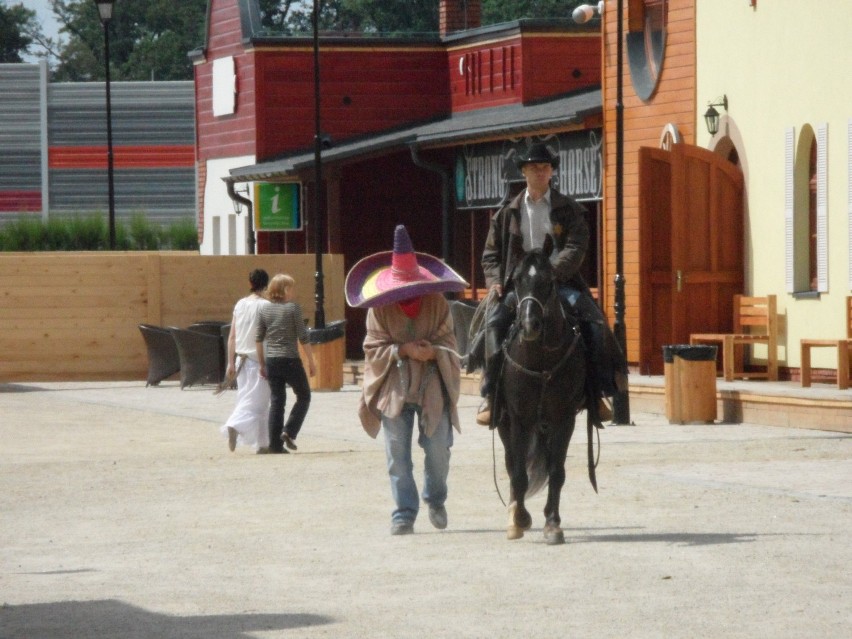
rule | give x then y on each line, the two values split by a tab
691	246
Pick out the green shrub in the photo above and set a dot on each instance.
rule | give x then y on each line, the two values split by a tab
91	233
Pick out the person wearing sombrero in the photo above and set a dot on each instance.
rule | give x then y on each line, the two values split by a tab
411	369
522	225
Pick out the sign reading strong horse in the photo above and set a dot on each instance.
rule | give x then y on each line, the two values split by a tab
484	171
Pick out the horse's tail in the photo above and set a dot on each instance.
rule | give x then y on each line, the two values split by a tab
537	473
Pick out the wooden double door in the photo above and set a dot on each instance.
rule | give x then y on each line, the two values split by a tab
691	225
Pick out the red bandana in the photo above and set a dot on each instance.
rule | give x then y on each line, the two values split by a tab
411	307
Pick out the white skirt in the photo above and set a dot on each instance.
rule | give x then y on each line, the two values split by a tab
251	414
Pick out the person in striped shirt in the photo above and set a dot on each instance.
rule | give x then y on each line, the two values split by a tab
280	328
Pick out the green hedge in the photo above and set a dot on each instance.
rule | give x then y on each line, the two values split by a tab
91	233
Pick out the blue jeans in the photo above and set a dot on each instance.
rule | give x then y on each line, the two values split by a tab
398	440
281	371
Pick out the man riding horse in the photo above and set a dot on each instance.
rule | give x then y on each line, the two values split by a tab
520	226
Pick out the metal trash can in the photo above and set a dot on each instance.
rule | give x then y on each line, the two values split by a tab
690	374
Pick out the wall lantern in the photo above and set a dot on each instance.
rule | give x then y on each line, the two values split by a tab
711	116
238	205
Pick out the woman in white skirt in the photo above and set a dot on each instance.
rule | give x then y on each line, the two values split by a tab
247	425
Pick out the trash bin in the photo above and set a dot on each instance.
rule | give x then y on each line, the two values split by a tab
690	373
329	347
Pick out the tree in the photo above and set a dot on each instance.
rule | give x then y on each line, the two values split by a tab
17	25
362	16
149	39
494	11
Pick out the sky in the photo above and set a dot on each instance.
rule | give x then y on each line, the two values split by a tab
43	14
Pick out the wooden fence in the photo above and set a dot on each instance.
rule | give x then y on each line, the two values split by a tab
74	316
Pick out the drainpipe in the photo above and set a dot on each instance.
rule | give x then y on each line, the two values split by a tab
240	200
446	228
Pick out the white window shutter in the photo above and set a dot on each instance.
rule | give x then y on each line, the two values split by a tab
789	146
822	207
849	196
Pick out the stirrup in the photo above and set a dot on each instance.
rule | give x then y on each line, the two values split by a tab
483	414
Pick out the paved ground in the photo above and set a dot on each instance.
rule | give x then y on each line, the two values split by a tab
122	514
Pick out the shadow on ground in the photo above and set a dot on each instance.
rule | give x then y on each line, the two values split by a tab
111	618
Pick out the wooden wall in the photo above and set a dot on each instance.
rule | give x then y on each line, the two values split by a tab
74	316
228	135
366	87
672	102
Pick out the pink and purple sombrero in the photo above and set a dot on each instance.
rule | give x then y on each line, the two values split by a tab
394	276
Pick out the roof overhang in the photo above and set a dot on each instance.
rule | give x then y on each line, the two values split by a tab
460	128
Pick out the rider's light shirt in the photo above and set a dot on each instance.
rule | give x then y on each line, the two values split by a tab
535	221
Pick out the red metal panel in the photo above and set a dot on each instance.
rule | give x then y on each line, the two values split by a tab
17	201
124	157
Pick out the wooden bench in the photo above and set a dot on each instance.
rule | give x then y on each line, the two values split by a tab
755	322
843	346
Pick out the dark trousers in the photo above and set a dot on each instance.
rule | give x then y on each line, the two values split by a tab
280	372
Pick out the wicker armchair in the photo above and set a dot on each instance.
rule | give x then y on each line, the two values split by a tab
163	358
202	356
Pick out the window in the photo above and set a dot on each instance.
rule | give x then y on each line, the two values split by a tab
646	43
806	210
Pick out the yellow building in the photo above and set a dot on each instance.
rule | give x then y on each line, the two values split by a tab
760	207
783	67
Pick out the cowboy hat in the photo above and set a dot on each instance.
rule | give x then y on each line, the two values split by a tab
538	153
398	275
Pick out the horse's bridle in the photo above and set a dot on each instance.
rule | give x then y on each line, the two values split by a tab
546	375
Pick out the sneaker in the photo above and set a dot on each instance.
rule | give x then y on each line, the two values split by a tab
262	451
438	517
232	439
279	451
483	413
402	528
289	442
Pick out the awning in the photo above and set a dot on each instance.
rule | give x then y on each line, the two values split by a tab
469	126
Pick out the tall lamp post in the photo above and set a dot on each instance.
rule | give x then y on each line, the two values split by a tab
582	14
319	218
105	11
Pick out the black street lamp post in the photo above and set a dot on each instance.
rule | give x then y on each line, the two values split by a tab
319	218
583	13
105	11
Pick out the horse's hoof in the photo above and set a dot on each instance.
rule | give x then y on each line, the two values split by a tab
520	519
514	532
553	535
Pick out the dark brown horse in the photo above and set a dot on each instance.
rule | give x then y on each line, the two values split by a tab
542	387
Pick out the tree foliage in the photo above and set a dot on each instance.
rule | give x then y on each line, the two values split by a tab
495	11
149	39
17	25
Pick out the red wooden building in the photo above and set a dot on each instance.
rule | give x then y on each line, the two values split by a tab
422	131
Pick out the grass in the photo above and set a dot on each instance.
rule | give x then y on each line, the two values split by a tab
91	233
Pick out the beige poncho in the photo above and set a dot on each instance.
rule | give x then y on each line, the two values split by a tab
390	383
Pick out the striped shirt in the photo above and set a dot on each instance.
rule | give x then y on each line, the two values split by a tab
281	326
